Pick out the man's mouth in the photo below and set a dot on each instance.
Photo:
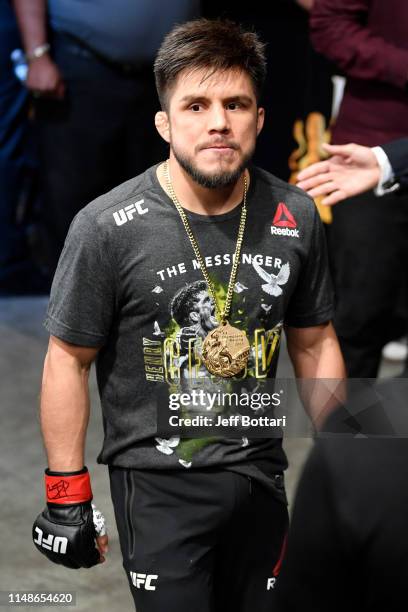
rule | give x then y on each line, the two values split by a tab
220	152
220	146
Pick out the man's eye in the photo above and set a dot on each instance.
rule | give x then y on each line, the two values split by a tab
233	106
195	107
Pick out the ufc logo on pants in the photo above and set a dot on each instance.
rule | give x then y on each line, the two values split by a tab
143	581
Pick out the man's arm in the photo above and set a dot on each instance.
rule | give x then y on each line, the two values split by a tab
397	153
354	169
64	417
318	363
351	170
31	18
43	75
64	412
337	32
305	4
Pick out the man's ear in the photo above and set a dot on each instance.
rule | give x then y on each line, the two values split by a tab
161	122
260	120
194	316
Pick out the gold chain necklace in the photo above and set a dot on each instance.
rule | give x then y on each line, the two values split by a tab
226	348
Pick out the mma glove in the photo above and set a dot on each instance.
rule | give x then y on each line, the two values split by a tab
66	529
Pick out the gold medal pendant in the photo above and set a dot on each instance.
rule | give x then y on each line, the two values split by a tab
225	351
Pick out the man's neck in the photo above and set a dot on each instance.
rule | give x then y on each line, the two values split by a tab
198	199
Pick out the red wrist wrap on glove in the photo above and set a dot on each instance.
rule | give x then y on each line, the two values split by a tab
68	487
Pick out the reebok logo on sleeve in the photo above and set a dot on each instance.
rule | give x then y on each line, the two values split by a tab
284	223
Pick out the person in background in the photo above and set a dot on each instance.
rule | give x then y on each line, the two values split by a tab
19	273
90	72
347	539
367	40
352	170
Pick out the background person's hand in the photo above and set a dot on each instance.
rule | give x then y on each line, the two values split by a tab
351	170
306	4
44	78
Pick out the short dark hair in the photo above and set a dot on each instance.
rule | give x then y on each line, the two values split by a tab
185	300
216	44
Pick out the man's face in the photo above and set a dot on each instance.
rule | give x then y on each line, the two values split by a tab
204	312
213	125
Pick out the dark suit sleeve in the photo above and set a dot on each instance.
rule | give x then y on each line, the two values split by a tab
397	153
339	31
314	563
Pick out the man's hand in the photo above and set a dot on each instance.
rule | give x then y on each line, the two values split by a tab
70	531
45	79
351	170
101	541
306	4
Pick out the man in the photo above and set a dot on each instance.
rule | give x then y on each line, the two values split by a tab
18	273
193	309
366	40
201	520
347	541
89	70
353	169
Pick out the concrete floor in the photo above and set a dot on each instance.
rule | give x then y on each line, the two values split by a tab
22	349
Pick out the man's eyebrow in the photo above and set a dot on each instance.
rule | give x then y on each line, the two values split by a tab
193	98
189	98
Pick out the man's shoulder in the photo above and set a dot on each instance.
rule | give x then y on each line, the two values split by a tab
121	202
282	190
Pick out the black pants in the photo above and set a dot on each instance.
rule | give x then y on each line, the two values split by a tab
99	136
203	540
369	251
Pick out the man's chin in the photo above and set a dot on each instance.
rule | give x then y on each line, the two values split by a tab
213	174
221	167
220	177
208	325
214	161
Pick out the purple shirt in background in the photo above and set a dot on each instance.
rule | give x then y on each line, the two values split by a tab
368	41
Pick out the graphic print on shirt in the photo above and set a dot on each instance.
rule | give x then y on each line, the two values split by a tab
173	352
273	281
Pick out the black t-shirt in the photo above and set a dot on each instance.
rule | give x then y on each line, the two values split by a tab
128	282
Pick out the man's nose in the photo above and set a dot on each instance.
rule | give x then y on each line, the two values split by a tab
218	120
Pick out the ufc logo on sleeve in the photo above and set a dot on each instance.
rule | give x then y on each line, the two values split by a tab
143	581
54	543
126	214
